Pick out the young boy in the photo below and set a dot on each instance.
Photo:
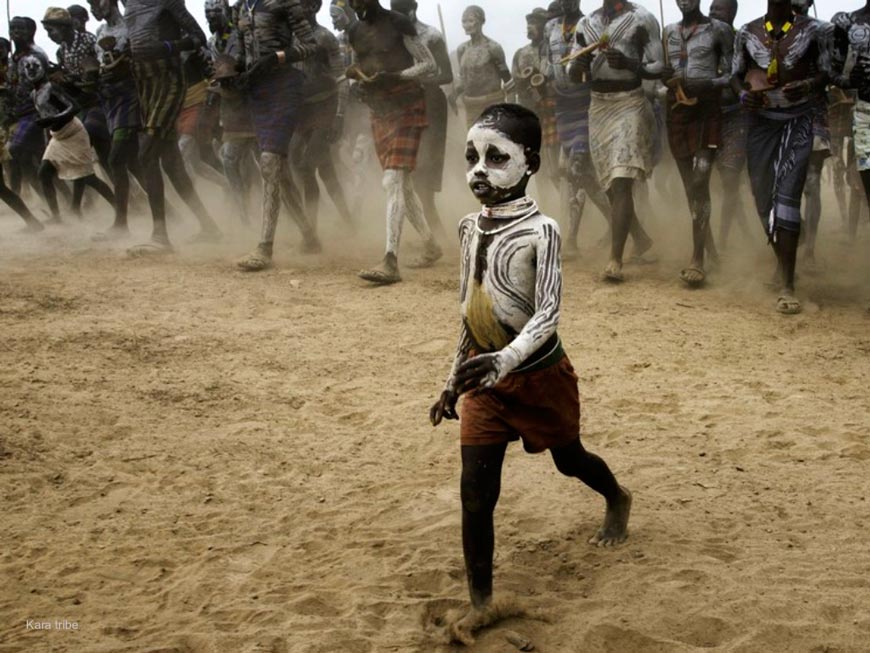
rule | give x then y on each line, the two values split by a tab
517	381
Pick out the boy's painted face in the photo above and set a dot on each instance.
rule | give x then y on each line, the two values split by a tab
497	166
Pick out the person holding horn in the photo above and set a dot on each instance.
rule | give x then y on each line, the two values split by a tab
781	67
619	46
699	50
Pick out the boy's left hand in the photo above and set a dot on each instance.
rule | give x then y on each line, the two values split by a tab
444	408
481	371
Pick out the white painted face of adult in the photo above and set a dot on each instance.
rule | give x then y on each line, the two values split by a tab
494	161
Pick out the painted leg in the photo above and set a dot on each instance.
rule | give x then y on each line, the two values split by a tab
271	167
388	271
695	173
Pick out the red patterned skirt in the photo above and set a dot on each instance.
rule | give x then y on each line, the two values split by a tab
398	121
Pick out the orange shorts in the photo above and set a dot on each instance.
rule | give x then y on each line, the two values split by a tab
541	407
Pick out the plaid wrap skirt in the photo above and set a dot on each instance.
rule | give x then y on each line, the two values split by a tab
398	121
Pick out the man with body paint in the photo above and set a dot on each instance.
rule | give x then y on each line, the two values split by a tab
276	36
392	59
821	145
7	196
781	67
26	138
77	53
321	124
158	32
429	175
514	377
851	52
120	103
700	50
238	143
731	157
69	155
572	125
484	76
621	120
535	91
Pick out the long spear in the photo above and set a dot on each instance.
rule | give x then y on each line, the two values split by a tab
440	20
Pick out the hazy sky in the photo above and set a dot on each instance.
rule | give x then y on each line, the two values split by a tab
505	18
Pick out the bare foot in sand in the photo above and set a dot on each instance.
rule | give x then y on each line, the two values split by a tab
462	629
384	274
613	272
615	527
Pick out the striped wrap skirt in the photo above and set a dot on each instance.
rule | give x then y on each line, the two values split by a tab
161	86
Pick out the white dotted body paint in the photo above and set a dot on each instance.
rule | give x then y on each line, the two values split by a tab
505	176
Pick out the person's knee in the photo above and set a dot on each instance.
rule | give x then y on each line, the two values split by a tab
231	155
476	499
391	180
271	166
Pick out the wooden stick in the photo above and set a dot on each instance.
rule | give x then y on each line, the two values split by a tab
589	49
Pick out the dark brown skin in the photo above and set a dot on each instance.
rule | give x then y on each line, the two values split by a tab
797	83
378	44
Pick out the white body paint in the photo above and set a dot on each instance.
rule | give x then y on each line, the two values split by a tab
402	202
511	297
505	177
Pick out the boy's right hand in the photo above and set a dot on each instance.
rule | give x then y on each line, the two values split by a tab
445	407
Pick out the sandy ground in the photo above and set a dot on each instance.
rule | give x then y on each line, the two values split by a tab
194	460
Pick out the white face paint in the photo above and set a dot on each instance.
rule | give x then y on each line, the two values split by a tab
500	162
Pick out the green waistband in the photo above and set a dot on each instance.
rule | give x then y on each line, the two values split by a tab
550	355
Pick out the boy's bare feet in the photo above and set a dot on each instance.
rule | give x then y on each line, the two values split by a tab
615	527
462	628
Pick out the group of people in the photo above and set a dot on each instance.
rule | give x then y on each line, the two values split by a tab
271	92
149	95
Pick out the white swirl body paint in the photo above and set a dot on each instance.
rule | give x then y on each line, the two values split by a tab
505	176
